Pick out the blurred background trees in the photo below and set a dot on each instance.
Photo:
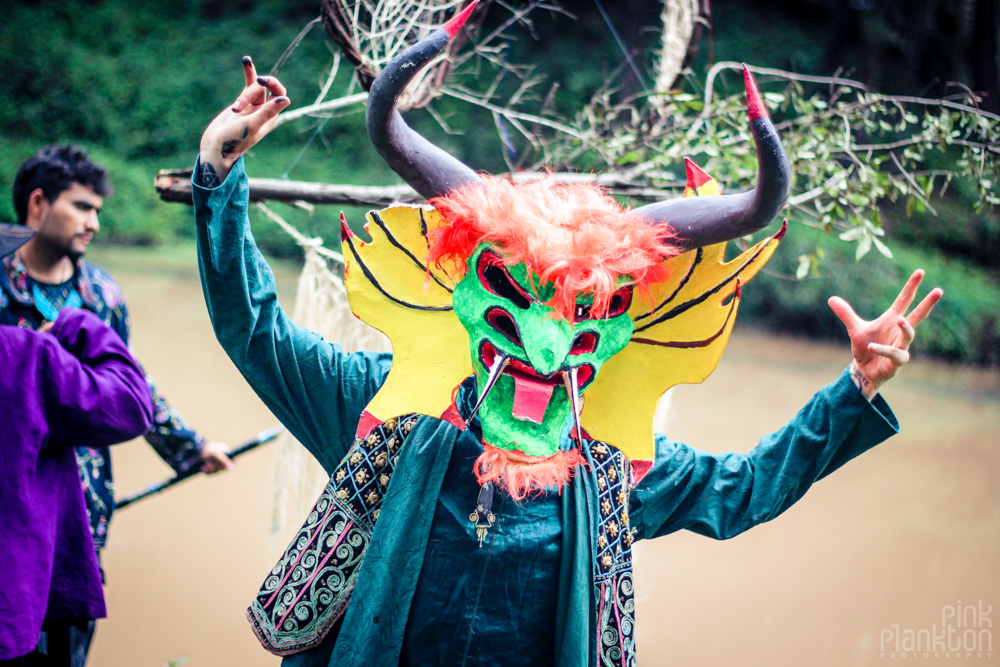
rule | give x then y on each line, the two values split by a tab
136	83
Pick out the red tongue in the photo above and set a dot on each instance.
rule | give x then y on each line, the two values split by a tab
531	397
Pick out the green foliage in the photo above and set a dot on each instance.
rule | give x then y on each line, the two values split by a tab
136	87
137	83
957	230
850	150
965	326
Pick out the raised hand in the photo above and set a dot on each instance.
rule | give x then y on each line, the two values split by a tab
239	127
880	346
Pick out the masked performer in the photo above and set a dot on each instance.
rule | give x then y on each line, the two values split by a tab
489	478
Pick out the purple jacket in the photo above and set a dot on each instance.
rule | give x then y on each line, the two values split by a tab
77	383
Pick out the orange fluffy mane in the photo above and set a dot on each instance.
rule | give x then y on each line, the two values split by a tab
574	236
521	475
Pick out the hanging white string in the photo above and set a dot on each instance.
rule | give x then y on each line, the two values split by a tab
321	306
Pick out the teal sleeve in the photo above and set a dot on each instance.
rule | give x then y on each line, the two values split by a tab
313	387
722	495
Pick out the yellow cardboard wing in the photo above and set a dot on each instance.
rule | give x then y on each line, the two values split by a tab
680	333
386	282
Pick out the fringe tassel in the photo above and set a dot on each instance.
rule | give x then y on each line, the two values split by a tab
530	475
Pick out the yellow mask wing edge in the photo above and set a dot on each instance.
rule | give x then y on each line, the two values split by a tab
390	289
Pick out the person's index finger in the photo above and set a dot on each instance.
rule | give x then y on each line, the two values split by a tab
908	292
249	70
924	308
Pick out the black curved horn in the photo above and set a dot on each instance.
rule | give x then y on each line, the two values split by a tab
425	167
704	221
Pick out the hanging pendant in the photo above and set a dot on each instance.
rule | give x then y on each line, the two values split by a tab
482	516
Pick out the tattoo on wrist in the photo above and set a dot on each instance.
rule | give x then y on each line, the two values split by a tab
863	383
207	176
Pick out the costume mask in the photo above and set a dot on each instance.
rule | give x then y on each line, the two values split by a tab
528	362
567	318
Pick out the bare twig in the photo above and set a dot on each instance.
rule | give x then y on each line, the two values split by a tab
510	113
918	191
322	107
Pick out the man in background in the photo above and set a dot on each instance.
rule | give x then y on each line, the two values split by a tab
58	193
76	380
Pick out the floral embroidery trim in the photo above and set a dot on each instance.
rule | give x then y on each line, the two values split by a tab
309	588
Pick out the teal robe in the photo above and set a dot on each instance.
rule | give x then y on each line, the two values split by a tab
318	392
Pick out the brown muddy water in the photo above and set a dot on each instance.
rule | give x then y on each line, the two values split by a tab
885	550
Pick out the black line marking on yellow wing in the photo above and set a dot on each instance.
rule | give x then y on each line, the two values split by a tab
687	276
687	305
687	345
424	232
371	278
406	251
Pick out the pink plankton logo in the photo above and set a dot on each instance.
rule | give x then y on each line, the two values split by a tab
965	633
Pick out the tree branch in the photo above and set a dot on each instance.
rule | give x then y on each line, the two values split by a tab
175	186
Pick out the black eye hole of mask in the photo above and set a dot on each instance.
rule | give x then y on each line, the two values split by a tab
497	280
621	301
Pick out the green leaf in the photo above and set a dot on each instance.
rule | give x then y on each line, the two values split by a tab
805	263
853	234
628	158
882	248
864	245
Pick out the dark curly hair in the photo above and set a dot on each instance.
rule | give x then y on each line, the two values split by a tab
55	169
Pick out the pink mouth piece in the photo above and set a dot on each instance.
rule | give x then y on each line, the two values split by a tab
531	396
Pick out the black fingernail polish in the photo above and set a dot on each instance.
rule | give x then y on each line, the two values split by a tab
262	80
246	60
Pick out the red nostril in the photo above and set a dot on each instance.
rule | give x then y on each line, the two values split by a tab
585	343
503	323
489	354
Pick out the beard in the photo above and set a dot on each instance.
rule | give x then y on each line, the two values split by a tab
76	249
522	475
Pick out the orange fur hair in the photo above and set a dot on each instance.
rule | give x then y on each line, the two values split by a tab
574	236
530	476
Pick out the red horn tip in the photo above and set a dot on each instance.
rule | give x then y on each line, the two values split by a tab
755	105
781	232
345	230
696	176
456	22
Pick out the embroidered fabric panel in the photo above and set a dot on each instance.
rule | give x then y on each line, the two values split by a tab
613	561
308	589
50	299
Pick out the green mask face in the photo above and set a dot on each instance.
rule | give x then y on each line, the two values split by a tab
528	404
